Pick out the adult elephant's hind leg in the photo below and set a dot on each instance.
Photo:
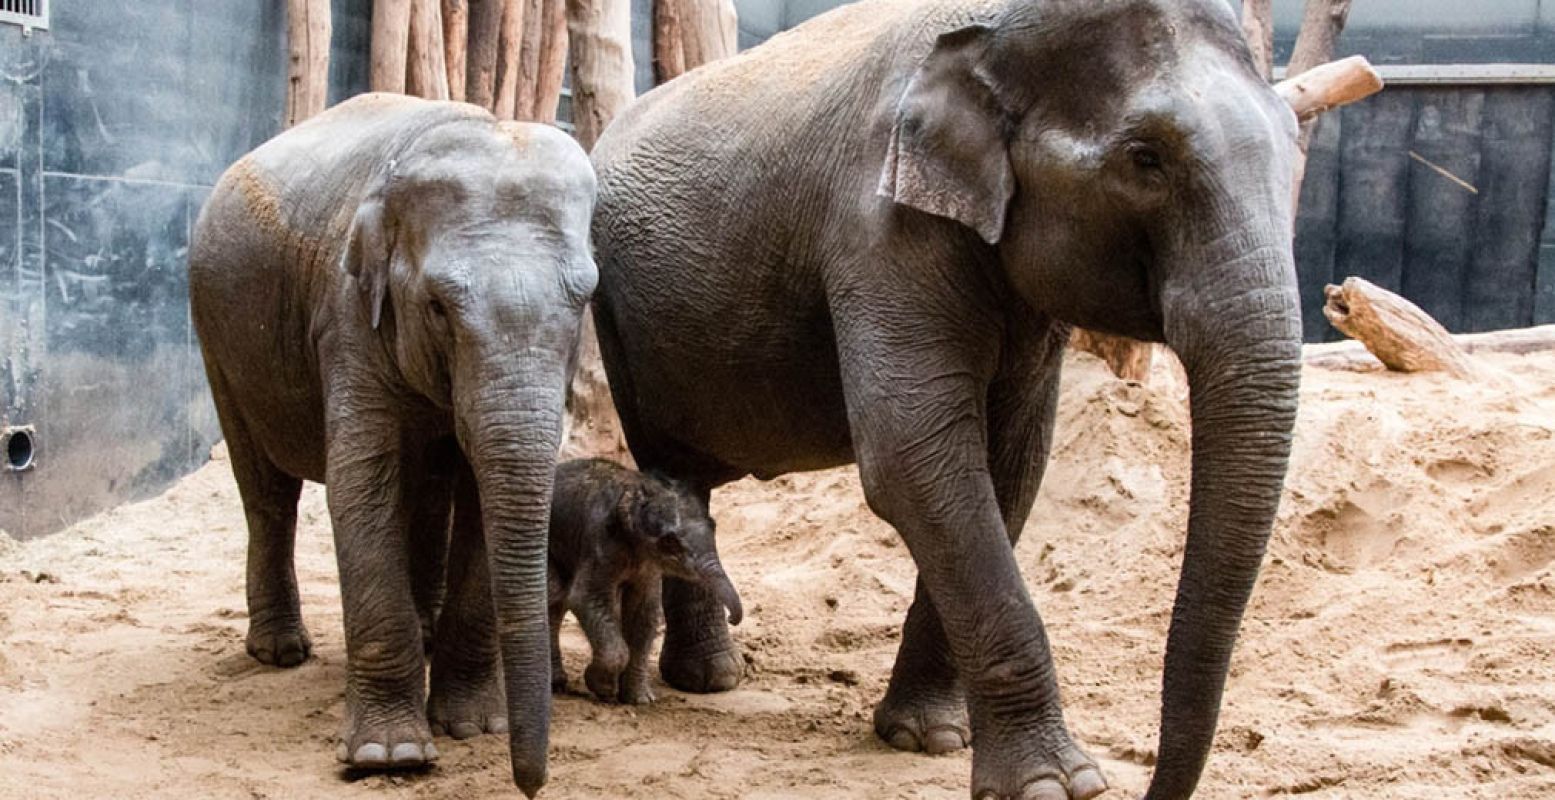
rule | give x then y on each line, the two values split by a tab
924	708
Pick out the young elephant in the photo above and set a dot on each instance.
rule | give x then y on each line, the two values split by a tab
387	297
615	533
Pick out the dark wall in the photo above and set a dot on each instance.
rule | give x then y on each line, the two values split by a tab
114	123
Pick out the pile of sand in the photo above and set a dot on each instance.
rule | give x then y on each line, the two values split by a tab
1401	643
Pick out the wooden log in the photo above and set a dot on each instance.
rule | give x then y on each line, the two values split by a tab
528	83
1320	28
389	47
481	67
509	43
1128	359
1353	355
553	62
1328	86
456	31
706	31
307	44
1396	331
669	60
600	48
1258	30
426	72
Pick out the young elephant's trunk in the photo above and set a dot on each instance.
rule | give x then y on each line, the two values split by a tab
712	574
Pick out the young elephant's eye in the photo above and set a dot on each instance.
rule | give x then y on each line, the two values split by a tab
1144	156
436	306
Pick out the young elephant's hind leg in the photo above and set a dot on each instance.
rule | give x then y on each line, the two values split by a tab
640	612
276	634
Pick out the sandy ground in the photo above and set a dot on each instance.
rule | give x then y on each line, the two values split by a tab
1401	643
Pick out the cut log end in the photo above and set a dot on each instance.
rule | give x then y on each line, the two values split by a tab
1330	86
1402	336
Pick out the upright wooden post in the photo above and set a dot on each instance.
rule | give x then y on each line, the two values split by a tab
553	62
708	31
529	60
600	48
1258	29
1320	28
307	45
481	72
509	44
456	33
427	74
669	60
389	47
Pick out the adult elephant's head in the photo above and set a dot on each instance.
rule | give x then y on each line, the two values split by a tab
472	258
1133	174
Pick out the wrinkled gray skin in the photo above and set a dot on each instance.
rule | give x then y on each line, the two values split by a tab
615	533
388	299
866	240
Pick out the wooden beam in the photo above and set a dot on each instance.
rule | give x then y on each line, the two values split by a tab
456	31
1328	86
426	72
307	44
481	67
599	36
669	60
708	31
1258	30
528	83
509	44
553	62
389	47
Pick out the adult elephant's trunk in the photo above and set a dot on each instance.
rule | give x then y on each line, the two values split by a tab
1235	323
508	408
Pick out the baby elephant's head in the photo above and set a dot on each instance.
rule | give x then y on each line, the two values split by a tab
672	529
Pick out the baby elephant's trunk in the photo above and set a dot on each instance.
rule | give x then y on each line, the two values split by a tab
713	575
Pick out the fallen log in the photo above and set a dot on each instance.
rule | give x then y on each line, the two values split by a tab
426	71
1129	359
1402	336
388	50
307	46
1353	355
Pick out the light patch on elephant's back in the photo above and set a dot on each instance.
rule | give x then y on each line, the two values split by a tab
260	196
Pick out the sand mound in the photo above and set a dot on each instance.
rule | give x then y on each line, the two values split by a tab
1401	643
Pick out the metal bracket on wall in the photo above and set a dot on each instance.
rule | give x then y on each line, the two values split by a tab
18	448
29	14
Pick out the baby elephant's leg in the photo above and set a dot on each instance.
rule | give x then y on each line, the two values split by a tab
557	609
595	600
640	615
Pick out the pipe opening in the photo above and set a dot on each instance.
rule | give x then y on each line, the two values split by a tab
18	447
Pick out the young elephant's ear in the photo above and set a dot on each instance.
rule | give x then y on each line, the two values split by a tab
948	154
367	254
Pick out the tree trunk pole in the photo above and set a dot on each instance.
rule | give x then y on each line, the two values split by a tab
669	60
1320	28
553	62
509	46
481	70
1258	29
456	29
708	31
307	43
390	44
599	35
426	72
528	86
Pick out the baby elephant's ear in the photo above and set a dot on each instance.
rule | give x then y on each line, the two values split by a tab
368	253
948	155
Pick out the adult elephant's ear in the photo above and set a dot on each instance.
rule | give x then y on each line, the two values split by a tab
948	155
367	254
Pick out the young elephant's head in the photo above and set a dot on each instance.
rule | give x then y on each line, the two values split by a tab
670	528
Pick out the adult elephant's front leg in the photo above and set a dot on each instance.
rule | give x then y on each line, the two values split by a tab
385	724
699	654
924	708
918	410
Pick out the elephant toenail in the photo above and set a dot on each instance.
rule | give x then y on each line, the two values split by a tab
497	725
406	753
371	754
943	740
903	739
1087	783
1044	789
463	730
342	754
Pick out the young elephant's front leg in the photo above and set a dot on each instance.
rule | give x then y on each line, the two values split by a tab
640	614
596	602
385	725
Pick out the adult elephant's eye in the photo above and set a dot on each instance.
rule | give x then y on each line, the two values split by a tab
437	307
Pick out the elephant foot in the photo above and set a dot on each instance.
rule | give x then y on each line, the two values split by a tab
712	664
1042	767
279	645
404	743
932	726
462	710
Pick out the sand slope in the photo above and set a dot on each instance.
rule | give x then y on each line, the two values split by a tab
1401	643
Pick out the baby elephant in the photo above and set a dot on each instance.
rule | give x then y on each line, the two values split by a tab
615	533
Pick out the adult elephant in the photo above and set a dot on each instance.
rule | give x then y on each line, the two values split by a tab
387	298
866	241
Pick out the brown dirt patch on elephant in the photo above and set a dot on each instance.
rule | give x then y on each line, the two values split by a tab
1401	643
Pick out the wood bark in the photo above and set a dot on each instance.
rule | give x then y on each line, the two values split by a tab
1258	29
600	48
1328	86
1320	28
509	46
553	62
1129	359
708	31
669	60
307	44
528	84
456	29
1396	331
1353	355
389	47
480	85
426	71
